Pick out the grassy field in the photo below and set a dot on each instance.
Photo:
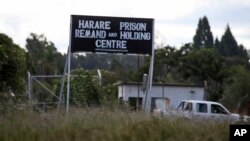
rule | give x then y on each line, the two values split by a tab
106	125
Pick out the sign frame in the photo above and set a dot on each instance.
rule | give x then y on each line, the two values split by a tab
111	34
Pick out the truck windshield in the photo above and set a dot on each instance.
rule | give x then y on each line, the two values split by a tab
180	107
185	106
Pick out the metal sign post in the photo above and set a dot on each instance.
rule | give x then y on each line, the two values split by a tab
61	96
68	84
68	71
147	101
29	88
67	65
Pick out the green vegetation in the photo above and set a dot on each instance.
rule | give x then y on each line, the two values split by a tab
237	87
83	91
105	125
13	66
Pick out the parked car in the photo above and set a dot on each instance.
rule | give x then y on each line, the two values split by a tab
195	109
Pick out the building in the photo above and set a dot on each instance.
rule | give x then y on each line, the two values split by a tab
172	94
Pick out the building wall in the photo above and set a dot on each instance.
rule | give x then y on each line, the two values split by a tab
175	93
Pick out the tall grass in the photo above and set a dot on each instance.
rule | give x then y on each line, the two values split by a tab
101	124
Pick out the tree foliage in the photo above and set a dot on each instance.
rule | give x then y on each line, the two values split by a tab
12	66
228	46
44	55
203	37
166	59
236	93
84	90
200	65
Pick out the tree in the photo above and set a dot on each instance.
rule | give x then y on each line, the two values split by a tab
12	66
203	65
229	46
203	37
84	90
109	95
228	43
230	51
166	59
44	55
243	52
108	77
236	93
217	45
200	64
43	59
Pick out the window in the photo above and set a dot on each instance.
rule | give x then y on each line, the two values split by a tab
201	108
188	106
218	109
180	107
185	106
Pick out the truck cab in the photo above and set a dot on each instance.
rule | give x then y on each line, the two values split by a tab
205	110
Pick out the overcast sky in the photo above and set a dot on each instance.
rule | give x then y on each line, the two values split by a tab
175	20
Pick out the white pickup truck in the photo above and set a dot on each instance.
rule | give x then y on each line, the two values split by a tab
195	109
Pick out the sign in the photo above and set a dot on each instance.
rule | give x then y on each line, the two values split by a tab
111	34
